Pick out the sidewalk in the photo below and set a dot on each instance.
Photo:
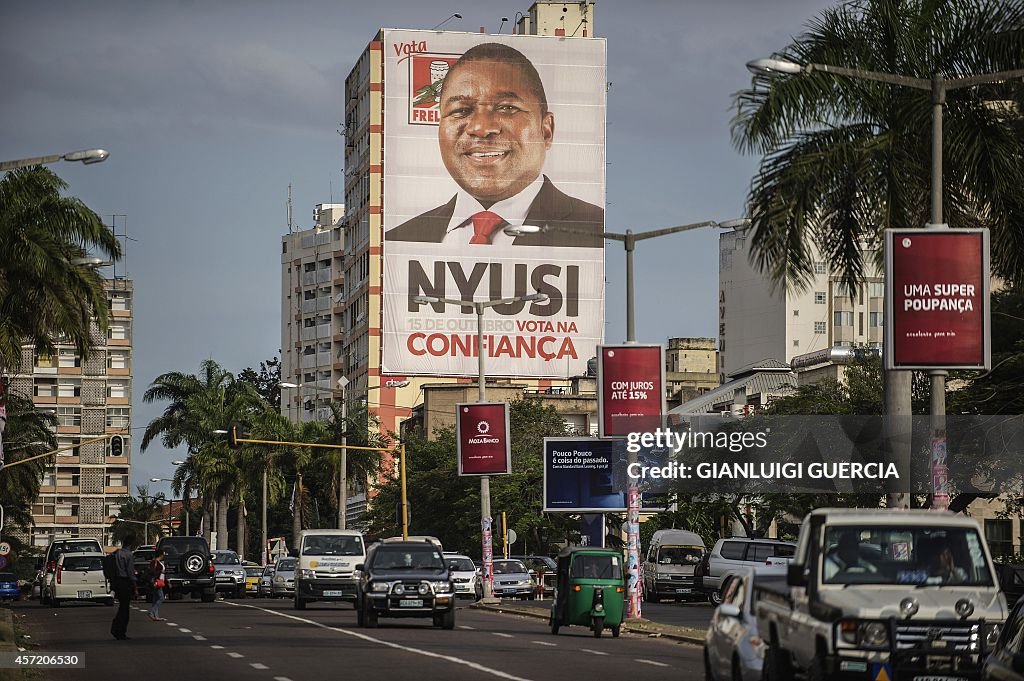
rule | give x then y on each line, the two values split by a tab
541	610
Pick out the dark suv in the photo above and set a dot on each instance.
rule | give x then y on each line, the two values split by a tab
140	562
189	567
405	579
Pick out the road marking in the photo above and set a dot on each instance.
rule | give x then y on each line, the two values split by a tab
416	651
281	678
185	631
258	665
544	643
238	655
651	662
593	652
498	633
171	624
217	647
466	626
198	637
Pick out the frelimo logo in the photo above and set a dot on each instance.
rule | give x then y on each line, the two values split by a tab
426	78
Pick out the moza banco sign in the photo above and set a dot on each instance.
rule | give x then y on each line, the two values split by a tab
937	299
483	438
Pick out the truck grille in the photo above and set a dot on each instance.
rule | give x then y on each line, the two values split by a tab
959	638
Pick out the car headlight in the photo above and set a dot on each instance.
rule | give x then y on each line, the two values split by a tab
399	589
279	579
424	588
379	587
874	634
308	573
992	634
526	582
240	573
442	587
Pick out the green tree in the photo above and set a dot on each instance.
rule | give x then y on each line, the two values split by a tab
29	433
844	158
44	294
267	381
140	515
199	405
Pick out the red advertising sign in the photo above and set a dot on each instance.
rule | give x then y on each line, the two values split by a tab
937	299
483	441
631	383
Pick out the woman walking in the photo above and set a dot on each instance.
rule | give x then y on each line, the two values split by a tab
157	570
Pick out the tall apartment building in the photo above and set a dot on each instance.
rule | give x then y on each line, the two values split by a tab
91	398
312	333
361	304
758	321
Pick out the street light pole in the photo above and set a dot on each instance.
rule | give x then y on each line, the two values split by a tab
86	156
481	396
898	383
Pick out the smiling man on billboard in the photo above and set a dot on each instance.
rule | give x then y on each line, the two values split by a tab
494	133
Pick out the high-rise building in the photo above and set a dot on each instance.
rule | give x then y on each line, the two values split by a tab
759	321
362	304
91	399
312	333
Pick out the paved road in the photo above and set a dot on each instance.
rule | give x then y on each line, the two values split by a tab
266	640
695	615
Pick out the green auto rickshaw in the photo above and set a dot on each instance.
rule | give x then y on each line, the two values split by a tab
589	590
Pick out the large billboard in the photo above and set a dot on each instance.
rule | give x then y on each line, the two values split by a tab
588	475
937	305
494	188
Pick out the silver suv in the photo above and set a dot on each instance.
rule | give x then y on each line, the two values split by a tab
736	552
230	573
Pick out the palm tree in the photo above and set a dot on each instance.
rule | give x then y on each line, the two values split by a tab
28	433
199	406
44	294
361	429
138	515
845	158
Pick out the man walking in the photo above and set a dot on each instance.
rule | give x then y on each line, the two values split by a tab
124	587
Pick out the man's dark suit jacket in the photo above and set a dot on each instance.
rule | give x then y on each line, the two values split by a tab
564	221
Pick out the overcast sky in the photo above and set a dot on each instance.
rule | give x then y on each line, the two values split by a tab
211	109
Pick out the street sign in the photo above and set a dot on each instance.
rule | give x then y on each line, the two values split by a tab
512	536
630	388
5	548
483	446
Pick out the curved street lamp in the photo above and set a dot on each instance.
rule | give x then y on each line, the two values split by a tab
86	156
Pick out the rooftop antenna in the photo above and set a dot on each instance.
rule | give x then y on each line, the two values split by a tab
289	208
454	16
503	20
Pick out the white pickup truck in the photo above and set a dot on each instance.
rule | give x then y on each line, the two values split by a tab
876	594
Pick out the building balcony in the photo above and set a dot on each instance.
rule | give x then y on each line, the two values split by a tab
70	430
44	399
70	400
68	460
70	489
119	342
115	490
116	460
119	400
119	372
121	314
69	371
65	519
115	430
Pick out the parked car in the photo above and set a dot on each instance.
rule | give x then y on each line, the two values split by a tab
405	579
541	567
266	581
189	567
733	648
736	552
669	566
79	577
512	579
230	574
1011	580
9	587
53	552
283	585
465	576
1006	663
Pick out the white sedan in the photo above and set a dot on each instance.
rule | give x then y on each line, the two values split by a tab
733	649
79	577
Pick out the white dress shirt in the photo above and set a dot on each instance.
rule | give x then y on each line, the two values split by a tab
513	210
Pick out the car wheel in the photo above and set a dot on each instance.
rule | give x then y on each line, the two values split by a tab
240	593
597	625
715	597
369	617
359	614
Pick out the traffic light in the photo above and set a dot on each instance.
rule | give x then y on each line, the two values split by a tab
116	445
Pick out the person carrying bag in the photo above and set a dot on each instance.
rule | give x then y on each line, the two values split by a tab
157	573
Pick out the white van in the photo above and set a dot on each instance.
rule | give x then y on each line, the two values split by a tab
326	564
668	569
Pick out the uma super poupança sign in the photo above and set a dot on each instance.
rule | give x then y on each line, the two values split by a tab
937	299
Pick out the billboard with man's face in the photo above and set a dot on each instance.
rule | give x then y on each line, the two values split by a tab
494	170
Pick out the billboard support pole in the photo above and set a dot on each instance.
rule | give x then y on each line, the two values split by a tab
487	546
940	493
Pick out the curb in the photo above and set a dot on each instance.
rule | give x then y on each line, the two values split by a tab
8	643
637	626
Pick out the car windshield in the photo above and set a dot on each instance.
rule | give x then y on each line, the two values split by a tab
286	565
461	565
72	546
332	545
924	556
179	547
679	555
253	571
226	558
268	570
144	555
91	563
398	558
509	567
596	567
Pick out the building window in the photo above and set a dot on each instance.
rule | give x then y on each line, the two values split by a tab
45	361
68	358
117	417
73	447
117	479
874	319
999	536
819	267
67	478
841	318
876	289
44	388
69	390
69	416
117	332
117	390
796	313
819	327
119	302
117	360
111	509
49	478
819	297
796	343
66	507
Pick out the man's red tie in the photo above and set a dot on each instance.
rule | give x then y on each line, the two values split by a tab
485	224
